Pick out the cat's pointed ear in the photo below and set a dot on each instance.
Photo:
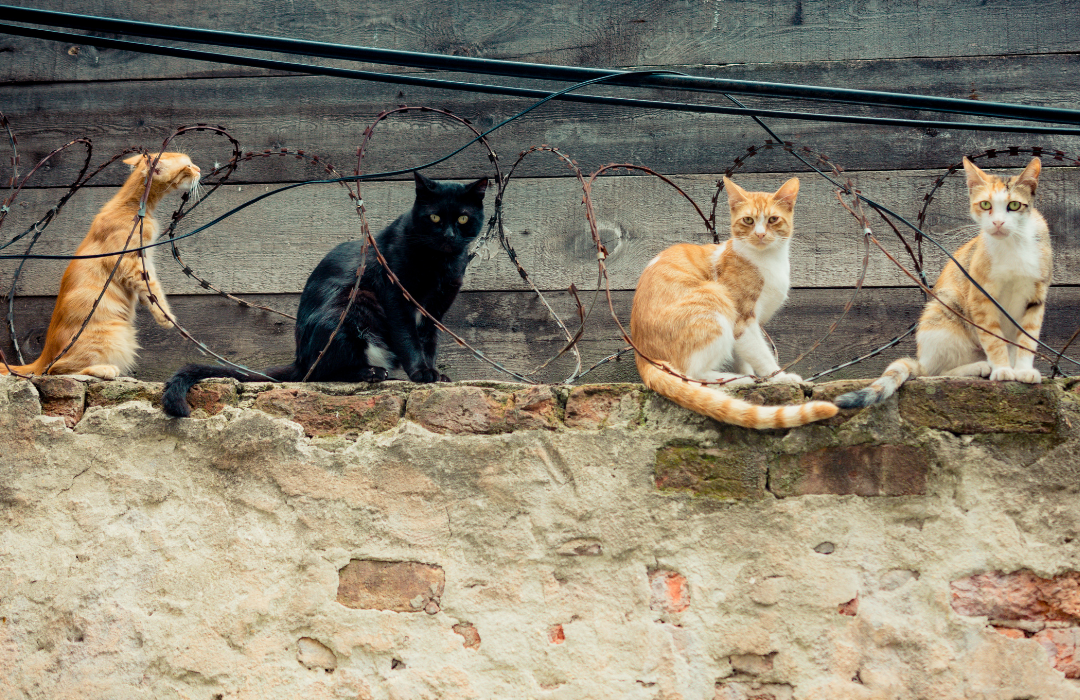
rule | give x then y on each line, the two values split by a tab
788	192
975	175
735	194
478	188
1030	177
135	160
424	184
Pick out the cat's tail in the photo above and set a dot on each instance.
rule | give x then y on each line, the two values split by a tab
35	368
728	409
885	386
174	399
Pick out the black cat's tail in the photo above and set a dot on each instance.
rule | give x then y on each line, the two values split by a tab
174	399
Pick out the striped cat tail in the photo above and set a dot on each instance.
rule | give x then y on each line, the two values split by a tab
895	374
35	368
728	409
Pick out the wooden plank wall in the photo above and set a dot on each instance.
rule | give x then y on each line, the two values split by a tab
1023	51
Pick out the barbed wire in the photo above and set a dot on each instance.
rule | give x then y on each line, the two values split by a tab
497	230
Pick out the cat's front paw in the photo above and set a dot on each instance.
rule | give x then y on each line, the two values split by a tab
102	371
786	378
1028	376
425	375
164	321
373	374
1003	374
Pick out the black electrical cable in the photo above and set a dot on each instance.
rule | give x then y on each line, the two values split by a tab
270	64
534	70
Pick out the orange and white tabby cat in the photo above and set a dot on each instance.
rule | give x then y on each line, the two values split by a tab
1010	259
698	309
107	346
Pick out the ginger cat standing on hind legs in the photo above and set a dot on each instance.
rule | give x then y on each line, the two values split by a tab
107	346
699	309
1011	260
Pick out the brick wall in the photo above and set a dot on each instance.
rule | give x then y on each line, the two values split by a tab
493	540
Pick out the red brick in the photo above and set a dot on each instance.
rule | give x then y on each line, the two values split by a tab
861	470
1020	595
1061	645
1010	632
401	586
556	634
323	414
850	608
482	410
212	396
670	591
62	396
468	632
595	406
535	408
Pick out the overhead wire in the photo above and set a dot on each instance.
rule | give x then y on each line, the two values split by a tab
510	91
519	69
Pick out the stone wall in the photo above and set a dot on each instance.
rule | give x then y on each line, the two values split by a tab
490	540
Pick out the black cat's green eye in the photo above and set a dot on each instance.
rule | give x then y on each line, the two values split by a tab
984	205
435	218
773	219
748	220
1014	206
463	219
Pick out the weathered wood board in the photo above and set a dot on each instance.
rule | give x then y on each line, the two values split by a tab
327	116
615	33
514	329
54	92
272	246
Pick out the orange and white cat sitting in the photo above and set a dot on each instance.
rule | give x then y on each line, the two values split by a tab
1011	260
107	346
698	309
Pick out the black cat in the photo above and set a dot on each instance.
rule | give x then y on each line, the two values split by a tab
426	247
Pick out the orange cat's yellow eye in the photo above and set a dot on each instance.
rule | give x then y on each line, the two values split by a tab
1014	206
748	220
984	205
435	218
463	219
773	219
